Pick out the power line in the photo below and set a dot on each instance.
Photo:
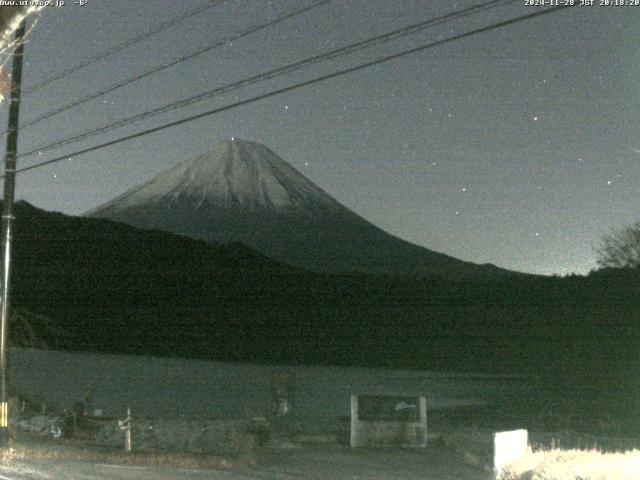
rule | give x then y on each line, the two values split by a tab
277	72
173	62
96	58
300	85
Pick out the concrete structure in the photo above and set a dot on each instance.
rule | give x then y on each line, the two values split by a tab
388	421
507	448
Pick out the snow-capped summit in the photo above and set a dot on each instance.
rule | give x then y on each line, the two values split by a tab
235	174
243	192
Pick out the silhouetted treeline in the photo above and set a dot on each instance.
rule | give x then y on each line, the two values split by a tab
113	288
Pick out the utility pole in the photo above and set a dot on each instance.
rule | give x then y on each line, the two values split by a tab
7	217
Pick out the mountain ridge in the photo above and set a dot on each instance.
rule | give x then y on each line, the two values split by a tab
241	191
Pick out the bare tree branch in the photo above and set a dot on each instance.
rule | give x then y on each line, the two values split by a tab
620	249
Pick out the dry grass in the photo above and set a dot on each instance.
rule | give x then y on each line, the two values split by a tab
556	464
79	453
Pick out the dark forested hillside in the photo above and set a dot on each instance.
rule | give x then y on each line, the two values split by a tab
115	288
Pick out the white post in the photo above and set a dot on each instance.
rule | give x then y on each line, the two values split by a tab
125	426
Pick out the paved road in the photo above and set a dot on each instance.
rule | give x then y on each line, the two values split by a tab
317	462
73	470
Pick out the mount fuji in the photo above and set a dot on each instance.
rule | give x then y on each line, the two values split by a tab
243	192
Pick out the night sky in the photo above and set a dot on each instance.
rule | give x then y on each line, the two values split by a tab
519	147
